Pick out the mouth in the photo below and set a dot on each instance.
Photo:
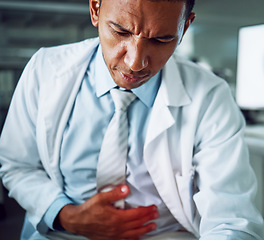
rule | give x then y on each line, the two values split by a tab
130	78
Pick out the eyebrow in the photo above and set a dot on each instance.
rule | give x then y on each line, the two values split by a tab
119	26
165	37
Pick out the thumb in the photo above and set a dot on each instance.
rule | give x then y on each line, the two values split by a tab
114	193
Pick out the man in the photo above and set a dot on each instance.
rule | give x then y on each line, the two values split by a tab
187	166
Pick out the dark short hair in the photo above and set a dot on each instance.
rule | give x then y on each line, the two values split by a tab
189	3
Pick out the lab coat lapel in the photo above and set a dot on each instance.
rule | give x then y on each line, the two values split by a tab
157	157
59	96
170	95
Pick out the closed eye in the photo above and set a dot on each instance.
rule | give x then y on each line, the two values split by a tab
117	29
164	39
122	33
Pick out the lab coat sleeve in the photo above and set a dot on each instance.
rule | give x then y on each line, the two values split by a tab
22	170
225	180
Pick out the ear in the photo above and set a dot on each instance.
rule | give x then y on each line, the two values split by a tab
94	11
189	22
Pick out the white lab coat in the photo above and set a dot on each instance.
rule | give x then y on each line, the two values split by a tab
194	122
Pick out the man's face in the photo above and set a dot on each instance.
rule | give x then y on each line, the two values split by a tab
138	36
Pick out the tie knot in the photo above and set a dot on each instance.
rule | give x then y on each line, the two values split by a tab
122	99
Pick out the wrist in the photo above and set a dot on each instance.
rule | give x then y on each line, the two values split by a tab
65	216
52	213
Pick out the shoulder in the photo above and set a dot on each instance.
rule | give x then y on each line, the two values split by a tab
69	48
195	73
60	60
59	55
197	79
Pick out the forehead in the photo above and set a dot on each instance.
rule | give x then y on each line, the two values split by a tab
144	14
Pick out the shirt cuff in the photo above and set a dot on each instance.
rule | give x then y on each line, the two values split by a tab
52	212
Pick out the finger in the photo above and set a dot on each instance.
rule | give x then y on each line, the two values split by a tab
114	194
140	212
139	232
140	222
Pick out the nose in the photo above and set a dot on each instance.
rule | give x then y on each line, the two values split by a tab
136	57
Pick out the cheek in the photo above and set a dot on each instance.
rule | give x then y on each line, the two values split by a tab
112	48
113	55
160	56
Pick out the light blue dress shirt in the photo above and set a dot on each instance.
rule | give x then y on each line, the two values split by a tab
83	136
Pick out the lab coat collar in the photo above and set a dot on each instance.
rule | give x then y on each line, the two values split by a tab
78	53
172	89
171	94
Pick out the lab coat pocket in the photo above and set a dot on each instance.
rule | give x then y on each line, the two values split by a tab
186	191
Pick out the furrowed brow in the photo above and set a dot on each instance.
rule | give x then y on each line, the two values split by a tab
119	26
163	38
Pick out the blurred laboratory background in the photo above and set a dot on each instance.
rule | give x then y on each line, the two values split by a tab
220	39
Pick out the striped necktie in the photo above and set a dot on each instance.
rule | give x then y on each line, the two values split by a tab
111	167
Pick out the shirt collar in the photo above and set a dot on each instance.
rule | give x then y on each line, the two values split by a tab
104	82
